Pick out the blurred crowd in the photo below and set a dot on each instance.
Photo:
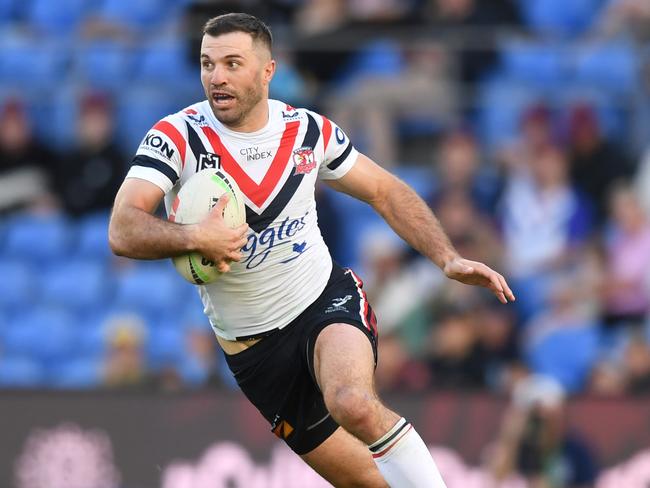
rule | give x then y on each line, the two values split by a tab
522	123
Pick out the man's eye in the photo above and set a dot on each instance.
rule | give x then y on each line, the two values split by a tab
233	64
206	65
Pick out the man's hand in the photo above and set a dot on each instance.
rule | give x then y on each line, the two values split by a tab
475	273
218	242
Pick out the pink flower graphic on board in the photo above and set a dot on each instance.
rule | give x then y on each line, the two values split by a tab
66	456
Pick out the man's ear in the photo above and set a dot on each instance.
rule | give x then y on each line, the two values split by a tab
268	71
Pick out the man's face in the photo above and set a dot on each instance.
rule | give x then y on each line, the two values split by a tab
235	73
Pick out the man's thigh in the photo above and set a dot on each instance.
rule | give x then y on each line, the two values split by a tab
343	355
345	462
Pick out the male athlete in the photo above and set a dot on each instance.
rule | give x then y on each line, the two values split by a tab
298	333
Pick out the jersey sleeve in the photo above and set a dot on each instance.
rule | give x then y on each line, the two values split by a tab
161	155
340	154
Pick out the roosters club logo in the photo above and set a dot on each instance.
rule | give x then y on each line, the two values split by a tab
304	160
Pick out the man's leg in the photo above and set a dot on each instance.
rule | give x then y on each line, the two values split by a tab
344	370
345	461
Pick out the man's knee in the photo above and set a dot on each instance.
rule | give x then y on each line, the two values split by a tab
354	408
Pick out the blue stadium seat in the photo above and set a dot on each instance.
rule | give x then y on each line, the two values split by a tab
288	85
21	372
139	108
17	286
150	289
77	374
80	285
55	116
92	336
46	334
163	62
614	67
11	11
104	64
359	217
142	15
92	241
379	59
62	17
541	64
165	345
501	104
559	16
421	179
37	237
566	354
18	68
193	373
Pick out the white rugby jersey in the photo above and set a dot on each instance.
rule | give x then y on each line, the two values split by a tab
286	263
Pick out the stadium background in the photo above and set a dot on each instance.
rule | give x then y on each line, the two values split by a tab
523	123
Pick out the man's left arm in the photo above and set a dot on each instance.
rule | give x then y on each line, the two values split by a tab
412	219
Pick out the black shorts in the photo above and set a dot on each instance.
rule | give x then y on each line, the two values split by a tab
277	374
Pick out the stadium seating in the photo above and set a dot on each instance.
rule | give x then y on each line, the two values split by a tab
104	64
44	333
143	15
77	374
541	64
8	12
612	67
501	103
37	238
79	285
19	68
165	345
139	108
21	372
60	283
17	286
559	16
92	239
163	62
152	290
62	17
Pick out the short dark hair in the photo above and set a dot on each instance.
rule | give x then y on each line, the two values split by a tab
239	22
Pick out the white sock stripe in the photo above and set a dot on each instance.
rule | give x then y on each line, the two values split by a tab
393	442
390	435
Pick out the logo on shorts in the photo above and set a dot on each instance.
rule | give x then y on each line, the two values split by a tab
304	160
281	428
337	304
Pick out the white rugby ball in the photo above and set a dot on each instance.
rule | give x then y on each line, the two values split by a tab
193	203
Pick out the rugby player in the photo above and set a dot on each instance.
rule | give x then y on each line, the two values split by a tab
298	333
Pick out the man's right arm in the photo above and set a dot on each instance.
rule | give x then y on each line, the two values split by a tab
136	233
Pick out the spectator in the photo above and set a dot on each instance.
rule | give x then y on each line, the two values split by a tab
467	227
456	359
125	365
88	177
468	27
537	134
536	441
595	162
458	167
626	289
545	223
637	366
373	104
24	162
626	16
